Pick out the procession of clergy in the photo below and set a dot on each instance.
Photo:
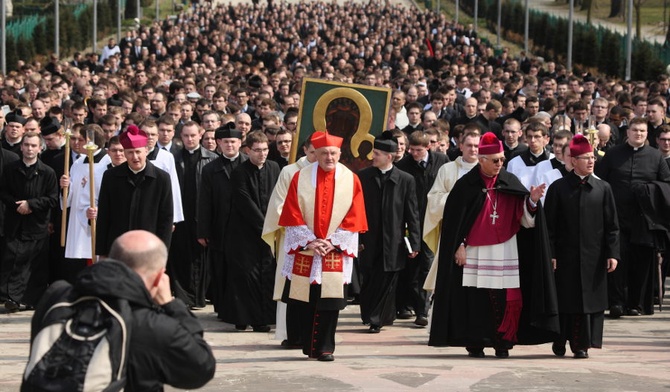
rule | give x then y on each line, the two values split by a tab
531	254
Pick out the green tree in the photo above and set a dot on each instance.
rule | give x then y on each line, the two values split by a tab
12	56
40	39
591	47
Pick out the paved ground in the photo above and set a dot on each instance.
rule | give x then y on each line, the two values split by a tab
559	9
635	358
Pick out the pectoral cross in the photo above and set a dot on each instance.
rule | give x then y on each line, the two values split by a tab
332	261
494	216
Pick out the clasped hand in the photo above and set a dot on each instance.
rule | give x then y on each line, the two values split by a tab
321	247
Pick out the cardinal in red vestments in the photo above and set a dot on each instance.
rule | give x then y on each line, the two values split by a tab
323	214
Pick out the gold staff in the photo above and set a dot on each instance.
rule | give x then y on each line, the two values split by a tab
91	147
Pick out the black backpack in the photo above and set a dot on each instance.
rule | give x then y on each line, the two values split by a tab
82	346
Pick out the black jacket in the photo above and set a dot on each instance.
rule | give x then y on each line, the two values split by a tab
166	343
6	157
388	211
206	157
215	200
39	187
124	205
424	177
624	167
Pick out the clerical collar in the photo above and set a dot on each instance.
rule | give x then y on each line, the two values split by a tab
384	171
233	158
192	151
580	176
536	155
29	165
12	144
512	147
138	171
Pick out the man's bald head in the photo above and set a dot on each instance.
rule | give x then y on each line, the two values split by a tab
141	251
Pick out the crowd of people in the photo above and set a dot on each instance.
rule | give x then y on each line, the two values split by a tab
190	123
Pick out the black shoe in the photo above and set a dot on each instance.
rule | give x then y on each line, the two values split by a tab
326	358
241	327
633	312
581	354
502	353
374	328
261	328
475	352
616	311
421	321
558	348
12	306
290	345
404	314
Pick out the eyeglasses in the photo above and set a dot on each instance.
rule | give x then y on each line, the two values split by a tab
496	160
586	158
663	140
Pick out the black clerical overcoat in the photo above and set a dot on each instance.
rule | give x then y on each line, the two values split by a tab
39	186
462	316
187	261
624	167
388	211
124	205
423	177
215	200
584	232
250	264
6	157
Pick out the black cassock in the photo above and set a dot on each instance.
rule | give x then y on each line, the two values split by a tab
214	204
187	263
584	233
250	264
469	316
390	206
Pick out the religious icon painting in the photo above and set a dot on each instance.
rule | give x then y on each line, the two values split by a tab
355	112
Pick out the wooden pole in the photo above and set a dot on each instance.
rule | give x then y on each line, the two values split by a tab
91	183
63	222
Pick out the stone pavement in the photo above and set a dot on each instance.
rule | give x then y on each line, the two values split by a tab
636	357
